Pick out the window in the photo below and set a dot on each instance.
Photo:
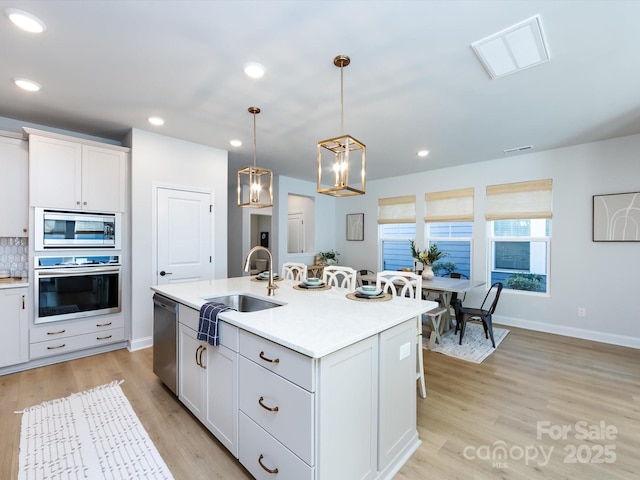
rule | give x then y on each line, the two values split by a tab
397	227
520	253
453	238
449	219
395	245
520	234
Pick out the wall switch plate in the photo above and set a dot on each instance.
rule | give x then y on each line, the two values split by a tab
582	312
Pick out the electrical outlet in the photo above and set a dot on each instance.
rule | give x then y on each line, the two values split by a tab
582	312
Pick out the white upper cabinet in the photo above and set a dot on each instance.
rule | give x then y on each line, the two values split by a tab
76	175
14	165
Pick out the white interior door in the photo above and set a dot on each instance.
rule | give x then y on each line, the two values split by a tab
295	240
184	236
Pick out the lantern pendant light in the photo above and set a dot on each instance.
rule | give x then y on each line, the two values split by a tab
253	181
337	156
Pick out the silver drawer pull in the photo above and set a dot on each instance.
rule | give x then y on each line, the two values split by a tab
275	360
56	333
271	409
59	346
274	470
103	324
104	338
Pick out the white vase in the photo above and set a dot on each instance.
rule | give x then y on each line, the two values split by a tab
427	273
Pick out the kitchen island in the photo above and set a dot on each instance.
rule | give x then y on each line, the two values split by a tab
322	387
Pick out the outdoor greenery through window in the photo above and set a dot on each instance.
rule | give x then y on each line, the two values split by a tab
453	238
520	253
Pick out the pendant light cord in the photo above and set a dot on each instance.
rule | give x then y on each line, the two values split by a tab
254	140
341	100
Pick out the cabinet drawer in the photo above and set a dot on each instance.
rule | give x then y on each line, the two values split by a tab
191	318
285	362
259	451
78	342
58	330
292	423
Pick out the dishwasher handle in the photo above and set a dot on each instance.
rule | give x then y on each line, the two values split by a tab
165	303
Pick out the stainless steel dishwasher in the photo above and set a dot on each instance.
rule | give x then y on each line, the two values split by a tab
165	346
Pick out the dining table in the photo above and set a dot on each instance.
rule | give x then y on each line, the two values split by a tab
443	288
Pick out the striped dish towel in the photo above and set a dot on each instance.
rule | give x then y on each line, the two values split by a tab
208	325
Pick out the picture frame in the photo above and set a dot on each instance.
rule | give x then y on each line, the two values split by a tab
616	217
355	227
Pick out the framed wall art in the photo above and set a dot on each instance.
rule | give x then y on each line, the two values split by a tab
616	217
355	226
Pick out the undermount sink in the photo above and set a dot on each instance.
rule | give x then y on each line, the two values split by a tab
244	303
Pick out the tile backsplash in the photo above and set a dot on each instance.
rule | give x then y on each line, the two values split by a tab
14	255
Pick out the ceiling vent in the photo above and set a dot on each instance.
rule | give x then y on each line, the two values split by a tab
513	49
518	149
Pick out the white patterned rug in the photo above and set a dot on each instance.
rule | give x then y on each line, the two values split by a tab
475	347
88	435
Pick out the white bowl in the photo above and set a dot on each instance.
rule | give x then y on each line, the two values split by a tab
372	293
368	288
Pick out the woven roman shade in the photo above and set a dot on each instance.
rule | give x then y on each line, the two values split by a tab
397	209
449	206
511	201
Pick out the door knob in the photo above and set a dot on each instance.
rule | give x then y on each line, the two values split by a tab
163	273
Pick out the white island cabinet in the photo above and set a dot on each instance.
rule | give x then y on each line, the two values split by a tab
320	388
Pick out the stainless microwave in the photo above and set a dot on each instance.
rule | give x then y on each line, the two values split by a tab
59	229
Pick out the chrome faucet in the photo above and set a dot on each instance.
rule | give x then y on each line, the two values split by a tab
270	285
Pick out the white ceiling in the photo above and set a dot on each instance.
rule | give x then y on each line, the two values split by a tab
414	81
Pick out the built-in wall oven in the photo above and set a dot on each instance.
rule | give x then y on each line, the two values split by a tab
76	287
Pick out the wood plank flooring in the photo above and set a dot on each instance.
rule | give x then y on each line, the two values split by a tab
471	413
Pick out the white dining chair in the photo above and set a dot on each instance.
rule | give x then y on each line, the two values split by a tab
342	277
407	284
294	271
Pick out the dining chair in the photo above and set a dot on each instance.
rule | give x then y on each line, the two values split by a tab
454	295
362	273
294	271
407	284
338	276
482	314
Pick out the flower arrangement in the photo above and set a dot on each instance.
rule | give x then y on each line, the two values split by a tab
330	256
429	255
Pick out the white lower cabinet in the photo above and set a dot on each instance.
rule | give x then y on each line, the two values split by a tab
62	337
207	378
14	340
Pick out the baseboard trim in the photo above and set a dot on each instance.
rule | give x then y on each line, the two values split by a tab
140	343
596	336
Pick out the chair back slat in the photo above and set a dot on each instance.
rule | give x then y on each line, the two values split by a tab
404	284
294	271
338	276
497	288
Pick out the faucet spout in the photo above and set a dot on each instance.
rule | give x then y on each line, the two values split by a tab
270	285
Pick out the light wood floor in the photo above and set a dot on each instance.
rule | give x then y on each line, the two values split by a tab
470	411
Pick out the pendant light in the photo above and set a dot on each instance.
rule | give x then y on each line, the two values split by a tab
337	156
253	181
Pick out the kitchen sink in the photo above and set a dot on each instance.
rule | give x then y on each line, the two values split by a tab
244	303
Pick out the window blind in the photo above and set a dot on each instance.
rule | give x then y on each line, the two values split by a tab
519	200
449	206
397	209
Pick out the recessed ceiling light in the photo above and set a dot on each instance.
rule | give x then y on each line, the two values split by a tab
157	121
423	153
28	85
235	143
25	21
253	70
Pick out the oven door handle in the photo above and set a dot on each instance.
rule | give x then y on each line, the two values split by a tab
75	271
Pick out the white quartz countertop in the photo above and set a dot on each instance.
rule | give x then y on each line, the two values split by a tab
312	322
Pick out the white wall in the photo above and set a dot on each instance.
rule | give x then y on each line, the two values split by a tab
157	160
601	277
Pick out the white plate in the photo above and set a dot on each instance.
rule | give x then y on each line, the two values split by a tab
314	285
373	293
266	277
